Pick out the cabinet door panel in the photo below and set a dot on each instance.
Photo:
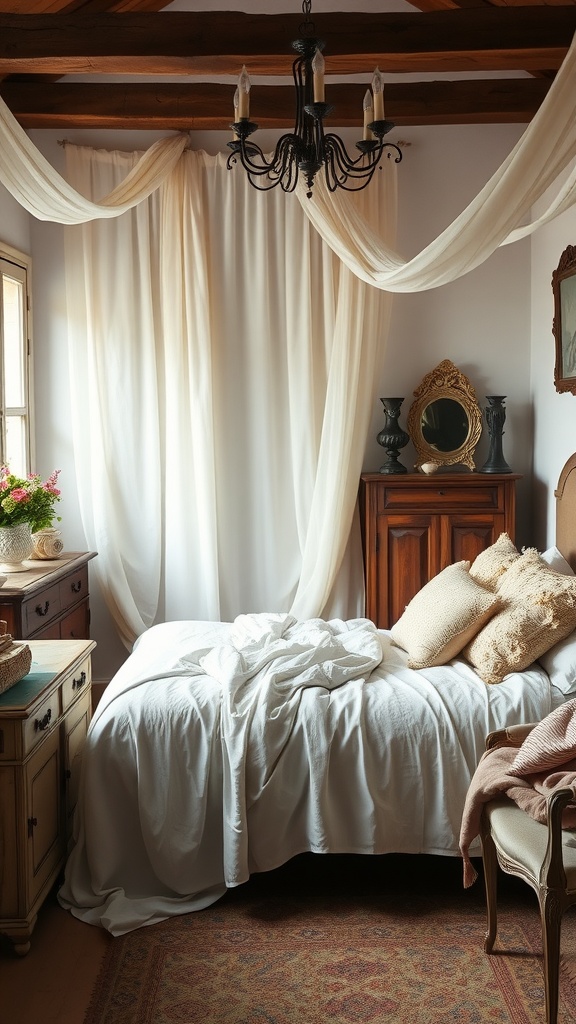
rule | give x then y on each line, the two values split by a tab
8	842
43	814
408	554
464	537
76	728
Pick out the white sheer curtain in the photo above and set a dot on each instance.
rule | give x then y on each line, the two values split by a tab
223	363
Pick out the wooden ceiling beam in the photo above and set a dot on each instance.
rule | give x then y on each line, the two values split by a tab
185	107
529	38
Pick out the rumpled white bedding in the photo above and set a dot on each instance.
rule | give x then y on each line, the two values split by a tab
222	749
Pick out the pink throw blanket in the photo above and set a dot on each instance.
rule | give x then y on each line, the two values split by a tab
528	775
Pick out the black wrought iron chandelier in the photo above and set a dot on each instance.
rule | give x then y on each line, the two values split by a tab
308	148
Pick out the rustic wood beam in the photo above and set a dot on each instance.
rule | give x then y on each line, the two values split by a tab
210	107
527	38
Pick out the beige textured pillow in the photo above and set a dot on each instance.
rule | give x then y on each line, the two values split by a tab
539	610
443	616
489	565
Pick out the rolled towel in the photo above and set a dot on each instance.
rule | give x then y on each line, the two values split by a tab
47	544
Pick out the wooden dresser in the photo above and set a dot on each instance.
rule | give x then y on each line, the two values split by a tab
415	525
50	600
43	725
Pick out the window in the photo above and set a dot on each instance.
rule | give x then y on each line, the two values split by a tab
15	361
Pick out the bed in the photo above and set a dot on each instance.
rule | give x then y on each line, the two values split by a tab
223	749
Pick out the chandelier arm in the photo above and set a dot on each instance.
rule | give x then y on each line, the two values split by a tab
354	180
281	169
247	151
341	181
363	167
359	167
263	185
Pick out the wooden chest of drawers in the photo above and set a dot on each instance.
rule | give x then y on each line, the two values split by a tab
50	601
413	526
43	725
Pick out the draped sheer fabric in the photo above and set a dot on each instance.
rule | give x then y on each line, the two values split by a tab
495	217
223	364
229	357
38	187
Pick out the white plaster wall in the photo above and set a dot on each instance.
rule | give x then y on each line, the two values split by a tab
481	322
14	223
554	413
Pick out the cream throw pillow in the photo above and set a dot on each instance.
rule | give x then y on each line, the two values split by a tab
489	565
539	610
443	616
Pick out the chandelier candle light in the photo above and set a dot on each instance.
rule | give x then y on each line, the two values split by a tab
308	148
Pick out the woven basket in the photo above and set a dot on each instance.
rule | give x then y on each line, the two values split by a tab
15	663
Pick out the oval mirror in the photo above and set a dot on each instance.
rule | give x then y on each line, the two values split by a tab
444	421
445	424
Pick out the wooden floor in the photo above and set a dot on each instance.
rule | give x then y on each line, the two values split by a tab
54	982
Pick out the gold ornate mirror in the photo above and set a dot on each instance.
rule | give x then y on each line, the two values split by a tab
444	421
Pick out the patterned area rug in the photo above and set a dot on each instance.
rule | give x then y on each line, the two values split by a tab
345	940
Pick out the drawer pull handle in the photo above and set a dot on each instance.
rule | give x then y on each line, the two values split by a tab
42	609
76	587
77	683
42	723
32	822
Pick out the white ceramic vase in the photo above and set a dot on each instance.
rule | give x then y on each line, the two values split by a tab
16	545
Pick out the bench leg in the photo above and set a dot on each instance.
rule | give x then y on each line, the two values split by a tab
490	861
551	918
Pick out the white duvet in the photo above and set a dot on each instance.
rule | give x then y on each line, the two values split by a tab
222	749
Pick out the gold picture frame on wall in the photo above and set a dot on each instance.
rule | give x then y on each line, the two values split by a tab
564	323
444	421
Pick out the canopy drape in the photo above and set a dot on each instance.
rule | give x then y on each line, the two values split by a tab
497	216
223	365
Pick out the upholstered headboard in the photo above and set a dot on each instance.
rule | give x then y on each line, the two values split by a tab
565	494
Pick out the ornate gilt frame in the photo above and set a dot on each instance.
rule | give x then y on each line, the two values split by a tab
445	381
563	327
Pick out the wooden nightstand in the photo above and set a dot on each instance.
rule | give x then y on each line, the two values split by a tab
50	600
43	724
415	525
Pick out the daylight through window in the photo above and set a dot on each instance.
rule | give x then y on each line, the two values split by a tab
15	414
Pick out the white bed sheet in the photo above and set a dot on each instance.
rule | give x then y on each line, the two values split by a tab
377	764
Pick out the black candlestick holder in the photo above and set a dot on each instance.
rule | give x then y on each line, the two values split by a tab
392	437
495	418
